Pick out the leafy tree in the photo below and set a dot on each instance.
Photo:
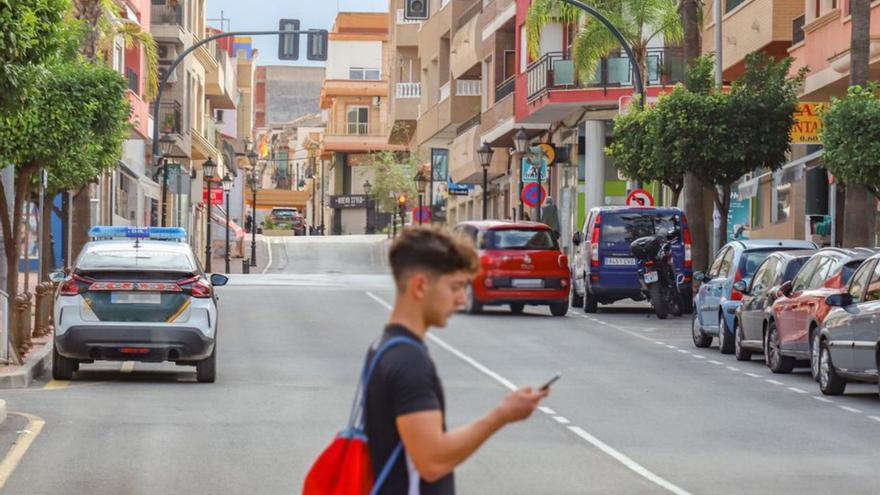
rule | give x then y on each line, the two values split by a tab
639	21
851	137
393	174
72	125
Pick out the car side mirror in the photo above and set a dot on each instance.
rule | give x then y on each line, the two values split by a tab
700	276
742	286
784	290
839	300
219	280
577	239
57	277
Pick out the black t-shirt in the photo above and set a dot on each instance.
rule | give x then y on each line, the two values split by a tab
405	381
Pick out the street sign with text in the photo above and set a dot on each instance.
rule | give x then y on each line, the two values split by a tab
216	194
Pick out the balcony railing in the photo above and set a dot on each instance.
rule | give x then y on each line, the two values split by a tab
469	124
505	89
797	29
167	14
403	20
357	129
170	117
444	91
556	71
468	87
409	90
210	131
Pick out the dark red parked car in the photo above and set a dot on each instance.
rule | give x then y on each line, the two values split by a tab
520	264
793	330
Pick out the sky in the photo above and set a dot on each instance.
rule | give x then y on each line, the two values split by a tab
265	14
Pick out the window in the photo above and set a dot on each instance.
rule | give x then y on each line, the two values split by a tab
519	239
823	271
726	264
860	280
627	227
358	120
364	74
791	270
765	277
750	260
716	266
732	4
781	203
848	270
874	287
806	274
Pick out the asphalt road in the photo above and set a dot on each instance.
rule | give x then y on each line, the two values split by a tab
638	410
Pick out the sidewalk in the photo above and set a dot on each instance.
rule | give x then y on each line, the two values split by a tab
218	263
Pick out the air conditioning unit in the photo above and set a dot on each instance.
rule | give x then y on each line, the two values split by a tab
167	52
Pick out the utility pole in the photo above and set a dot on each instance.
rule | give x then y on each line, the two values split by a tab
719	66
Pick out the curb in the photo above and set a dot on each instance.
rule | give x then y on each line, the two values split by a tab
2	411
35	366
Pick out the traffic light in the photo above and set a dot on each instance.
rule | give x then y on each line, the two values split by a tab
416	10
316	48
288	44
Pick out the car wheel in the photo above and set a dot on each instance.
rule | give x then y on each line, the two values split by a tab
830	383
815	349
738	351
62	367
701	340
206	369
591	304
517	308
560	309
773	352
725	339
473	307
577	301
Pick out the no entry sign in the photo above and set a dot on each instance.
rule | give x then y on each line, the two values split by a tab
640	197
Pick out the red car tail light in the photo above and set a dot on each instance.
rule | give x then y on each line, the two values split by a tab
688	249
487	261
199	289
594	242
72	287
562	261
736	295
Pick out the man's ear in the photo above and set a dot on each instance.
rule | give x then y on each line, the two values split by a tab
417	285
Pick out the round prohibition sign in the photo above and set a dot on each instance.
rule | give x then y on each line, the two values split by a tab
639	197
530	194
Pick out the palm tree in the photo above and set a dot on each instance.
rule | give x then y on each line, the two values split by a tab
639	21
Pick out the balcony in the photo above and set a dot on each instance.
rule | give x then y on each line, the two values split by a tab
505	89
406	32
167	25
205	55
334	88
440	121
351	137
171	121
467	44
140	114
552	91
206	144
749	26
464	164
406	101
220	84
469	87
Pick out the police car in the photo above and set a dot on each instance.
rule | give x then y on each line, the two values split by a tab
136	294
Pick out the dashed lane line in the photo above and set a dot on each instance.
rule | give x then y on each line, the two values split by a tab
753	375
561	420
577	430
547	410
774	382
797	390
823	399
851	409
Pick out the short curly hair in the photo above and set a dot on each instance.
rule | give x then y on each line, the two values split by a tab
433	249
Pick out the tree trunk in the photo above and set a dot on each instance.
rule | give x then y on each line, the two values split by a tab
46	255
676	194
722	201
860	211
89	11
693	187
81	221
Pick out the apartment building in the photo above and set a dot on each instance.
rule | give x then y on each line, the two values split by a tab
356	113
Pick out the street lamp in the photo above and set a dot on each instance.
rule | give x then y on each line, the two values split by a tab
313	156
227	186
524	149
423	182
485	153
254	180
209	168
368	188
167	146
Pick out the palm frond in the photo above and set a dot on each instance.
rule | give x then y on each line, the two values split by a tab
590	45
134	36
544	12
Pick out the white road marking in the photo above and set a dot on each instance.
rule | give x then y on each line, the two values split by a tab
699	357
547	410
719	363
774	382
797	390
684	351
595	442
875	418
850	409
659	343
752	375
823	399
733	368
20	447
671	346
269	249
561	420
127	367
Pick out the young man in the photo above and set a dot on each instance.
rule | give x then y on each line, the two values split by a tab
405	398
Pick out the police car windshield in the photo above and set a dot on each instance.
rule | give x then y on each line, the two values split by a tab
136	259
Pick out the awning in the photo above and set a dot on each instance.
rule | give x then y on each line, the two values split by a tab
790	172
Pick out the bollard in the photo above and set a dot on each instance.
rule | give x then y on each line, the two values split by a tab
21	323
246	266
42	309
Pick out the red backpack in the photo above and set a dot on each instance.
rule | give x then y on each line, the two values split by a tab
344	468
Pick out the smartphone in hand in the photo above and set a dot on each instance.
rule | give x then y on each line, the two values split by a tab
551	381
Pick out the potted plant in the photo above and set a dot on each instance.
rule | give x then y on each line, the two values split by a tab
168	123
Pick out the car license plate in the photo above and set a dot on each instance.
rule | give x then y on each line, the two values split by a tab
651	277
620	262
135	298
527	283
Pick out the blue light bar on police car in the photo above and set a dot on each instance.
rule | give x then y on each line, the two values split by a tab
156	233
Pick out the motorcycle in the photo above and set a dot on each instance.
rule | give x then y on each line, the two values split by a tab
657	274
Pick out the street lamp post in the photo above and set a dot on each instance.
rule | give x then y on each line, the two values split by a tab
167	143
209	168
255	186
485	153
368	188
423	182
524	149
227	186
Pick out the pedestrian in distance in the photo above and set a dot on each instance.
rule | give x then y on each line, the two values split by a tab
405	398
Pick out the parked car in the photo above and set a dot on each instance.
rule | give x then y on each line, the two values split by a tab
288	219
849	338
792	334
520	264
604	270
716	302
759	294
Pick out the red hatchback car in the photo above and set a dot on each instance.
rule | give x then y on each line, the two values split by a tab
792	334
520	264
